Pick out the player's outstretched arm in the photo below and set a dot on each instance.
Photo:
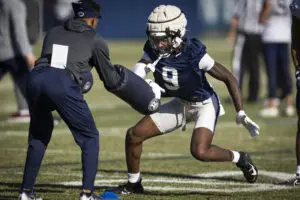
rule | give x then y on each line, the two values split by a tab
219	72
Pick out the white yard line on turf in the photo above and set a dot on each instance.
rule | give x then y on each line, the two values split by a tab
145	154
209	180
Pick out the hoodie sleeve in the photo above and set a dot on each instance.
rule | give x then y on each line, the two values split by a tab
101	61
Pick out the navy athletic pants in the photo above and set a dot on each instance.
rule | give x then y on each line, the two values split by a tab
51	89
276	56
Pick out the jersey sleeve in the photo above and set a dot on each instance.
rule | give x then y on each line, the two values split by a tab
206	62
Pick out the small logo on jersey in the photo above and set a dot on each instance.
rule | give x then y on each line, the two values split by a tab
80	14
153	105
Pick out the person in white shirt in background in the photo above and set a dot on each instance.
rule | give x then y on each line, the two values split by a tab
276	39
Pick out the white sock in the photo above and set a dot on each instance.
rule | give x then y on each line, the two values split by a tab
298	169
236	156
133	178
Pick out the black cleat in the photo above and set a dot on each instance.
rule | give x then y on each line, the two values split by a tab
248	168
129	188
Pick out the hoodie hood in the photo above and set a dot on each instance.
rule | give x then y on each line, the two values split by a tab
77	25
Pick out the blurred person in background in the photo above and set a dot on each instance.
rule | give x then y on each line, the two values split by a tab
276	39
16	56
245	33
33	17
55	12
63	10
295	50
33	28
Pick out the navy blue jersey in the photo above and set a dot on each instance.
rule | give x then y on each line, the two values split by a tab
180	74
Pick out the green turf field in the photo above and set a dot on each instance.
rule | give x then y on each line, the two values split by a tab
168	169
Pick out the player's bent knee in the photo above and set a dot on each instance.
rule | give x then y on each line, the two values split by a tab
200	154
132	136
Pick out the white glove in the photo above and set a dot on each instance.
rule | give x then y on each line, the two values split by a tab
242	118
150	67
157	90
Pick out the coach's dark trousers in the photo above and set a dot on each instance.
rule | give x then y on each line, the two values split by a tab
51	89
276	56
246	59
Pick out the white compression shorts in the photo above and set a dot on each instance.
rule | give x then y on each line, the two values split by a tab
177	112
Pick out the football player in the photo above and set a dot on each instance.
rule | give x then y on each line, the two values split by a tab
295	48
57	82
179	66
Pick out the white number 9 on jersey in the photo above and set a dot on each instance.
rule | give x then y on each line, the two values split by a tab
170	76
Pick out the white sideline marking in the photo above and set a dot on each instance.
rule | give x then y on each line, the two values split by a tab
117	131
171	180
65	174
278	175
146	154
108	105
121	131
260	188
77	152
244	187
109	131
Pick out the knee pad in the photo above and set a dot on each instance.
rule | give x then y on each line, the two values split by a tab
135	91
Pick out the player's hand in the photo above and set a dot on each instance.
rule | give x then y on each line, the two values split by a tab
150	67
297	75
251	126
157	90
